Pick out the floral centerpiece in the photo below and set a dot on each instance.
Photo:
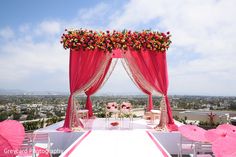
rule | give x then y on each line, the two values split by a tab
108	41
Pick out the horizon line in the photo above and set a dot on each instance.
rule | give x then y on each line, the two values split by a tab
45	92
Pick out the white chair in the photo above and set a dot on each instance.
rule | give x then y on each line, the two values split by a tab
42	140
42	144
194	148
186	146
111	108
148	117
155	114
27	147
126	110
203	149
35	144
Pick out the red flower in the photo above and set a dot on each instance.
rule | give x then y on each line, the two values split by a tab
88	39
114	123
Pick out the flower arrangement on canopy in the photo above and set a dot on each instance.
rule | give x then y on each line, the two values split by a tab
108	41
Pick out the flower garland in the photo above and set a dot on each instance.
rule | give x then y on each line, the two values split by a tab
108	41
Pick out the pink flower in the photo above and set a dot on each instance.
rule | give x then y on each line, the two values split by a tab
88	39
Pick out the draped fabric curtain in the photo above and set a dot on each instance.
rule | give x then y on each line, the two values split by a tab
86	67
89	70
151	68
140	83
99	82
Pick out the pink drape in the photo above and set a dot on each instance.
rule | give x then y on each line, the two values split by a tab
151	68
94	87
85	68
139	83
89	68
150	102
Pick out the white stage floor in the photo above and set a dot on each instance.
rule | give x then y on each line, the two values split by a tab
125	143
100	127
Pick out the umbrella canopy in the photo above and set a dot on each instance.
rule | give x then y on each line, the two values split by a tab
213	134
223	147
231	129
11	136
193	132
230	155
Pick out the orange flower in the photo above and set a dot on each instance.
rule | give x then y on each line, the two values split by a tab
107	41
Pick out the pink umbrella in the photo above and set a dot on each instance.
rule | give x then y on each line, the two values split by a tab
213	134
228	127
230	155
223	147
193	132
11	136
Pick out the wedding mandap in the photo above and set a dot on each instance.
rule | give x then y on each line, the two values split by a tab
93	56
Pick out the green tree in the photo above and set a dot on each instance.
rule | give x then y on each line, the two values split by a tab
30	117
3	116
16	115
49	114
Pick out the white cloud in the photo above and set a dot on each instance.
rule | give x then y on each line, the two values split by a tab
135	13
203	40
36	49
49	28
22	58
95	17
6	33
24	28
94	12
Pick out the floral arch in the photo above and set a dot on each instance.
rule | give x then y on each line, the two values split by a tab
91	63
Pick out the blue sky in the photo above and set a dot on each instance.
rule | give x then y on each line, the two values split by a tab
201	59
